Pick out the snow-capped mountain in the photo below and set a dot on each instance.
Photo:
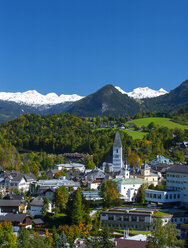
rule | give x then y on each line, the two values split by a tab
143	92
34	98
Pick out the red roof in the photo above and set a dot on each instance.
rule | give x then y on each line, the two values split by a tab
126	243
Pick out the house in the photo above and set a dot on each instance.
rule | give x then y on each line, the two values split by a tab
13	197
48	193
16	180
160	160
51	173
146	174
36	206
176	187
70	166
12	206
18	221
93	179
127	218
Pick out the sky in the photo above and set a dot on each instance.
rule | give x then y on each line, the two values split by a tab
78	46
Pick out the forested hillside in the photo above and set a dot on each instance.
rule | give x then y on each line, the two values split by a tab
60	133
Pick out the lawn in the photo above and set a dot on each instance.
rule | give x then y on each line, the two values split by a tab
134	134
162	122
136	232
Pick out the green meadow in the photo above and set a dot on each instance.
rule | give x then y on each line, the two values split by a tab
162	122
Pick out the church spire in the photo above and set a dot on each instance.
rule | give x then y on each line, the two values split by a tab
117	140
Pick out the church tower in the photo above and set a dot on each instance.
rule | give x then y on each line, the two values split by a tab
117	153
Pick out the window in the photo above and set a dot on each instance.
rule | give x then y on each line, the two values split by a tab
134	218
118	218
141	219
126	218
111	217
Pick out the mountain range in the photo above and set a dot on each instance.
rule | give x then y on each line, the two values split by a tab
34	98
107	100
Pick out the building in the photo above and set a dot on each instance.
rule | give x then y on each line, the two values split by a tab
70	166
36	206
53	184
176	187
147	175
117	153
12	206
161	160
18	221
127	243
93	179
131	218
128	187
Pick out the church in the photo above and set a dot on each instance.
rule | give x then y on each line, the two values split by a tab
116	163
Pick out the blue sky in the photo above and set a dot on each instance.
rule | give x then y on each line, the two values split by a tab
78	46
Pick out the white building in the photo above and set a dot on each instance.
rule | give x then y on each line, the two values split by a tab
36	206
71	166
117	153
176	187
128	187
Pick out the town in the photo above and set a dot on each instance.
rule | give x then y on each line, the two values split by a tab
75	202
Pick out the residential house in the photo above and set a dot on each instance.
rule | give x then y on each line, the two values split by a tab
18	221
36	206
12	206
146	174
70	166
51	173
93	179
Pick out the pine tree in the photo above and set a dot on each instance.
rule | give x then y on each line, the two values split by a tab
77	209
61	241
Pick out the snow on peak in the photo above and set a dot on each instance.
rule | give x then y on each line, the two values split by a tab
143	92
34	98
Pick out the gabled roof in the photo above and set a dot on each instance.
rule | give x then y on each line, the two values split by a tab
117	140
13	197
38	221
36	202
18	179
126	243
10	203
14	217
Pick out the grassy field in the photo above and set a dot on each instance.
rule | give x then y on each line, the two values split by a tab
135	134
162	122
